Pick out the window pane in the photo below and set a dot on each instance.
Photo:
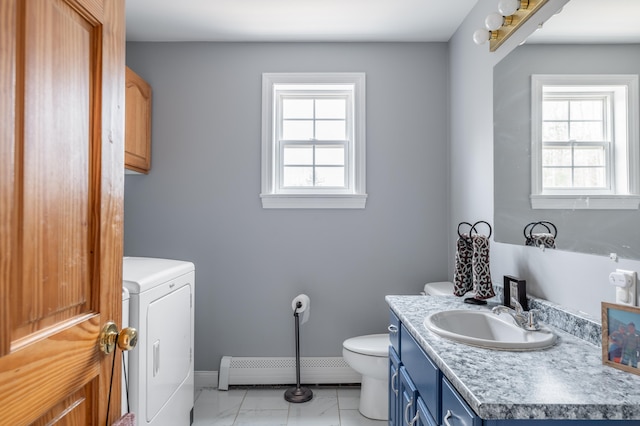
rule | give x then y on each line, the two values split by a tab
331	108
297	130
556	178
555	132
587	131
589	156
330	155
587	110
298	155
555	110
330	176
297	176
556	156
297	108
331	130
589	177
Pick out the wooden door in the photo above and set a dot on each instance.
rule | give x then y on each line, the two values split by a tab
61	207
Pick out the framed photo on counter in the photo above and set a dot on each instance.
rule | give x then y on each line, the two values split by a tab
621	336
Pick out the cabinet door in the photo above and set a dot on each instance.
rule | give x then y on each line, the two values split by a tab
61	208
423	416
456	412
408	397
425	374
137	154
394	388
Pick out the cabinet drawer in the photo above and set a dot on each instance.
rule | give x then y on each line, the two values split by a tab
455	411
426	376
394	331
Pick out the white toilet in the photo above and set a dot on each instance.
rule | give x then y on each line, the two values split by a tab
369	356
441	288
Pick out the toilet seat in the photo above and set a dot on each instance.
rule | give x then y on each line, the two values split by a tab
371	345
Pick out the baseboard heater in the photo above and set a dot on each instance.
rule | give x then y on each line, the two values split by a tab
282	371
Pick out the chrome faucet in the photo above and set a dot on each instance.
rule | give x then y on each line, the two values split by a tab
524	319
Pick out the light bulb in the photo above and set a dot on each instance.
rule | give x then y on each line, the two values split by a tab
508	7
481	36
493	21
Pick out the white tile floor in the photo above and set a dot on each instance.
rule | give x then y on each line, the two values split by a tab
267	407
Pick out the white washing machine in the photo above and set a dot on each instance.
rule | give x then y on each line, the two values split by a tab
161	387
125	358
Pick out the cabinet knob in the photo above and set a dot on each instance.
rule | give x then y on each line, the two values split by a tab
393	329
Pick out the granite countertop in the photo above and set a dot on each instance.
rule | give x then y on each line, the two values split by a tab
566	381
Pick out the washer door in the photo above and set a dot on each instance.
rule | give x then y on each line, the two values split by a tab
168	347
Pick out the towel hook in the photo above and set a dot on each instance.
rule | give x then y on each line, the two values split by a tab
464	223
528	230
473	228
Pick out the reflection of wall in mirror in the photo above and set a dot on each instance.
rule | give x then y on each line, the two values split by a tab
586	231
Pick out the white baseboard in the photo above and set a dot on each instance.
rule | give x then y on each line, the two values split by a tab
282	371
205	379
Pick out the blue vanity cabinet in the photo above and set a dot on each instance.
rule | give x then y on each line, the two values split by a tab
394	385
418	392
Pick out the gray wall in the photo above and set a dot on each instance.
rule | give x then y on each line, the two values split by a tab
576	281
201	200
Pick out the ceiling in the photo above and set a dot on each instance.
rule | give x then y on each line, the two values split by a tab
592	21
295	20
586	21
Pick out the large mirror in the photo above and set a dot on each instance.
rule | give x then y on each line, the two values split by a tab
586	37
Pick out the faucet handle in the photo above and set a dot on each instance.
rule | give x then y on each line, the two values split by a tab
532	319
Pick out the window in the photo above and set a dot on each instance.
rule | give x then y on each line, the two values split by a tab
313	140
584	142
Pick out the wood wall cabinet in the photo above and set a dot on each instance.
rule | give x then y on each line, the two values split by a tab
137	151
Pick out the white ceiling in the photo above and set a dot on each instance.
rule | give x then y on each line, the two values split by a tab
600	21
295	20
592	21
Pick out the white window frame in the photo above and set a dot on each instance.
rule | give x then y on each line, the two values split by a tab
353	195
623	192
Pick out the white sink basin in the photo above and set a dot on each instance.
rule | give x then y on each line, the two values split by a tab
487	330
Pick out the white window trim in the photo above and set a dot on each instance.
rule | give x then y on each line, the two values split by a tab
356	197
630	200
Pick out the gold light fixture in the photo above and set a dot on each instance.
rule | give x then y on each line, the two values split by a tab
502	24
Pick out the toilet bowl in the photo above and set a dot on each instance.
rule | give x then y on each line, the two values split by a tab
441	288
369	356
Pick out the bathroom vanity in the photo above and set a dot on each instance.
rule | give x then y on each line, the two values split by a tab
435	381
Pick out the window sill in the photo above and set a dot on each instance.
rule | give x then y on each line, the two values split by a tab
585	202
313	201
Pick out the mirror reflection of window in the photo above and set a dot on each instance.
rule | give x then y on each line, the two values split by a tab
576	140
582	143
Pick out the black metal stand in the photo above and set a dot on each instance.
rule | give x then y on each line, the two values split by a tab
298	394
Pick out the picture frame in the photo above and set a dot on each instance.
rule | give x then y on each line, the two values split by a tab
621	337
514	287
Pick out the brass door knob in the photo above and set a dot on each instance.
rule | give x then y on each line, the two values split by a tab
109	337
127	338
